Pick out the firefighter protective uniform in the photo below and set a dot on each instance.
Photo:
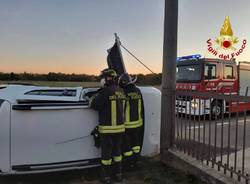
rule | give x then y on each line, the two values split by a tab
109	102
134	113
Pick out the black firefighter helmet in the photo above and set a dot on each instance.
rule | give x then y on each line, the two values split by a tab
125	79
109	75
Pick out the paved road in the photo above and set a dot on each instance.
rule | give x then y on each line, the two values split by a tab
225	137
224	131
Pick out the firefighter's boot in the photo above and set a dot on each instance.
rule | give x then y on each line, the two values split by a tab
128	163
134	162
105	174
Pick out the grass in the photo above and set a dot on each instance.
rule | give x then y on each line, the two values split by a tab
153	171
150	171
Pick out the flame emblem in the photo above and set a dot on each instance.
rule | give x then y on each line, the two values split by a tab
226	40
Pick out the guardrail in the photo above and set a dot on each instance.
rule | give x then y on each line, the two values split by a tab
215	128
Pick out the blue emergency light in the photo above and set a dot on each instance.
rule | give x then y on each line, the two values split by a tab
196	56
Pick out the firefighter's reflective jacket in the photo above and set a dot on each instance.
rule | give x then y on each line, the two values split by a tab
110	104
134	107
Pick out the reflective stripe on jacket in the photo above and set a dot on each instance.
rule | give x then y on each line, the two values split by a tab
109	102
134	107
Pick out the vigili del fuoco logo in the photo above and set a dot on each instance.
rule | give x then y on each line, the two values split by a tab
225	46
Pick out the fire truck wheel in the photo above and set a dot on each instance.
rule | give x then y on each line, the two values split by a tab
216	110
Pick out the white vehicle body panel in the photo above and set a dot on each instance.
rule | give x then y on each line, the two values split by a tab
5	137
35	129
152	104
36	140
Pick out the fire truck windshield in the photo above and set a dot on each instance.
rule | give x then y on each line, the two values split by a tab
188	73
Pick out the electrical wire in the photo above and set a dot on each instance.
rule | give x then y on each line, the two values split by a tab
137	59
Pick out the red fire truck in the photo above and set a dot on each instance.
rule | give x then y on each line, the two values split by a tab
204	74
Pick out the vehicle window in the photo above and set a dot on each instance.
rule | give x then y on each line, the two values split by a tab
228	72
52	92
210	71
87	93
188	73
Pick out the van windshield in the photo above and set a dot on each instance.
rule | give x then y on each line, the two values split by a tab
188	73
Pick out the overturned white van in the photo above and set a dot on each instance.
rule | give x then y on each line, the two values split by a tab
37	124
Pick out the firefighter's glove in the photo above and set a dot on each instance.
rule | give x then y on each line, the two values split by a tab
95	133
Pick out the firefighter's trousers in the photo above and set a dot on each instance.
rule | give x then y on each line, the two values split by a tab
132	144
111	150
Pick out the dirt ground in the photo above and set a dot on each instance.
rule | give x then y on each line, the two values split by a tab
150	171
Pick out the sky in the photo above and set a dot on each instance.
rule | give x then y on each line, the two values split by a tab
42	36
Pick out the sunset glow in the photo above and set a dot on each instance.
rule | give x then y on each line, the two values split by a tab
73	36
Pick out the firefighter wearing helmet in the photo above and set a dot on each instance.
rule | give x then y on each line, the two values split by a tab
133	122
109	102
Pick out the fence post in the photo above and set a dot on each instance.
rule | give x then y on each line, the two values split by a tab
168	75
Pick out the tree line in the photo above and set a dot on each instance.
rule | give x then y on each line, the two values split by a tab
148	79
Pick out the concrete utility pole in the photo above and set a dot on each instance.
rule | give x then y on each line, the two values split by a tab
168	75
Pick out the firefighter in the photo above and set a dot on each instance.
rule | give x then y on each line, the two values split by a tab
133	122
109	102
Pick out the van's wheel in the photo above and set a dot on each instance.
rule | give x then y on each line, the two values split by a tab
216	109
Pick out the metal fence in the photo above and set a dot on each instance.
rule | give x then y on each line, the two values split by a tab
215	129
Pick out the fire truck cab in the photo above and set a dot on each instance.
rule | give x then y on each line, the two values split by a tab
194	73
